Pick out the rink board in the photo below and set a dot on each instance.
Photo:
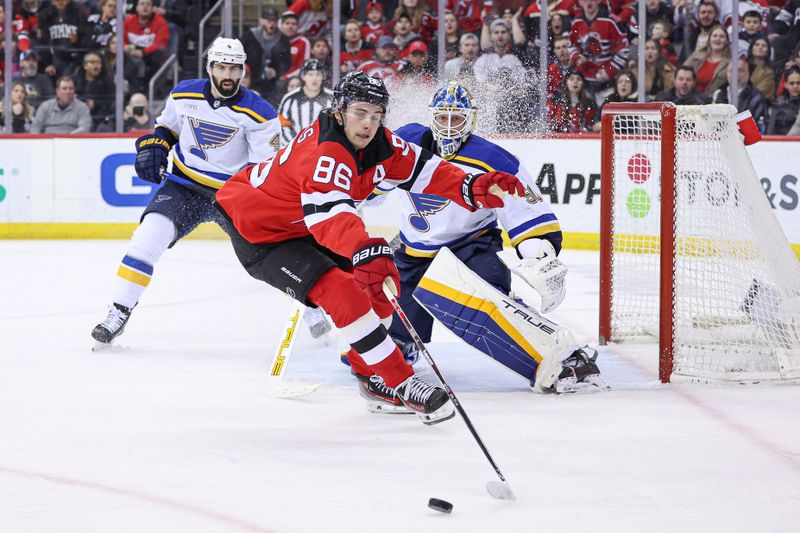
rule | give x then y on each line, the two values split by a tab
85	187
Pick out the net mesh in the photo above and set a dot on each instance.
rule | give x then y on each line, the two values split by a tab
736	280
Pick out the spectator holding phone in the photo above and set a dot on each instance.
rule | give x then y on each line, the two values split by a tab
136	115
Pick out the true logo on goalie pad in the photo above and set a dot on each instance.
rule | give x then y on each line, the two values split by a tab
527	317
490	321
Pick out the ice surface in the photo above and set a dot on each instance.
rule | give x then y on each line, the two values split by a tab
172	431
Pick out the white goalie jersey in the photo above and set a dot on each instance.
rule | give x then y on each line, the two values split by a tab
216	138
429	222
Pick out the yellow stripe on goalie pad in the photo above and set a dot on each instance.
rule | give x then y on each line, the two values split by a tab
483	306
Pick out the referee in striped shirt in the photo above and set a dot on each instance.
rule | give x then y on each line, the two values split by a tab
300	108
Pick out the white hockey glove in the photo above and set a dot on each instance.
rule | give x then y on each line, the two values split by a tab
543	271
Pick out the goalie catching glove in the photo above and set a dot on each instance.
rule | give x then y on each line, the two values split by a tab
479	189
151	157
372	264
543	270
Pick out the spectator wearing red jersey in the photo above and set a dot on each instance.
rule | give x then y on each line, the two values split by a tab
470	13
417	69
422	21
299	47
710	61
559	16
572	111
559	68
374	28
599	48
20	39
355	50
30	10
385	63
146	37
314	16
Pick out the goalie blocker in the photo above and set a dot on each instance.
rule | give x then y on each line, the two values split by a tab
505	329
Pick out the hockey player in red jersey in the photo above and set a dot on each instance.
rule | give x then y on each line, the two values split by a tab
297	228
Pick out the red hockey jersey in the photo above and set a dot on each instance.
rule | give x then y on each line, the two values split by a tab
310	187
602	43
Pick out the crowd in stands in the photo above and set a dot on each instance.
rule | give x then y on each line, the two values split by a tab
64	56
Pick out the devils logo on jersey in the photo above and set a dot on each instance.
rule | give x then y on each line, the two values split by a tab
209	135
591	44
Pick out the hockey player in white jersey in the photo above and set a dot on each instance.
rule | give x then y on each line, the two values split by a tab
448	261
214	128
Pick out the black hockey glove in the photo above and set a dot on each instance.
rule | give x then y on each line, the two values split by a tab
151	158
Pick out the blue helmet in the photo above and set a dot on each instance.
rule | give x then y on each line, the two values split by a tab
453	117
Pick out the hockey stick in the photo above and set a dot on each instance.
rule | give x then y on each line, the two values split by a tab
277	386
499	490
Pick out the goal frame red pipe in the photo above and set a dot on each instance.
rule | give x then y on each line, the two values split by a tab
668	112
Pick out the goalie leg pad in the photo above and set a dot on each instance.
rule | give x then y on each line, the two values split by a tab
479	254
504	329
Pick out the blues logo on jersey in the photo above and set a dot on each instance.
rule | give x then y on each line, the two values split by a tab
209	135
425	205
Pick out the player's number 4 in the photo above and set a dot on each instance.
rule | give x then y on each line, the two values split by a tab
325	172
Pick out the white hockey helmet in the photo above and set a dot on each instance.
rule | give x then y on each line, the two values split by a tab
225	50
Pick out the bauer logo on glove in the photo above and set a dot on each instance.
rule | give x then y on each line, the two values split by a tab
368	254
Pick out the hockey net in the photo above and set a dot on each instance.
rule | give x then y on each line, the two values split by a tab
691	253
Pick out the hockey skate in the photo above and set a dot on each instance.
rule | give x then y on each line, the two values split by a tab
380	398
429	402
112	325
579	374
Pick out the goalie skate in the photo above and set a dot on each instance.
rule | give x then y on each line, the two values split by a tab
580	374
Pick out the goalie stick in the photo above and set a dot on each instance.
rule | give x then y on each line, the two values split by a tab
277	385
499	490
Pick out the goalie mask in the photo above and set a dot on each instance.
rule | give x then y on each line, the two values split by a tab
453	117
229	51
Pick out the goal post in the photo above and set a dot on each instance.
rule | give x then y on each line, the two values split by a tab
691	254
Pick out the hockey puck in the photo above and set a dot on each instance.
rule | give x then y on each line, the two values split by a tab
440	505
